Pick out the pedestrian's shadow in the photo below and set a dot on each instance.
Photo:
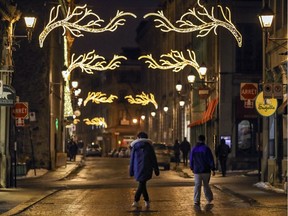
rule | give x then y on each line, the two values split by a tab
205	211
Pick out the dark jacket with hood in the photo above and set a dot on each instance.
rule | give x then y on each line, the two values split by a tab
201	159
143	160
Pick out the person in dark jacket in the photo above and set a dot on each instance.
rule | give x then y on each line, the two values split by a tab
222	154
73	149
201	163
142	163
185	148
176	149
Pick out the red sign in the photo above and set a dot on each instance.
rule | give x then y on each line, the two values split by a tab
19	122
20	110
248	91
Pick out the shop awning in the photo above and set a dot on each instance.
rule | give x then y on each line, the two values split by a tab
207	115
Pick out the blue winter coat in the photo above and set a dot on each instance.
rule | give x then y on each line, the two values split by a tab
143	160
201	159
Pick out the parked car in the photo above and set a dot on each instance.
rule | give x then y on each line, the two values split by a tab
93	150
171	152
162	155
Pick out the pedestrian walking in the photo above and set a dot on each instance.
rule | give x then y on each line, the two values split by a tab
73	150
222	154
202	163
185	148
142	164
176	149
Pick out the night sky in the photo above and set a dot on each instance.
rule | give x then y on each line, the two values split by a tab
108	43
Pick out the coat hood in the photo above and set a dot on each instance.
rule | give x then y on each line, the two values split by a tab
140	141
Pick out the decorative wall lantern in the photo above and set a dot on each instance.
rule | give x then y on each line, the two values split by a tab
266	17
30	22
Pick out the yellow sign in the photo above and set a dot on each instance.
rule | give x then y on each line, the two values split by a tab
265	107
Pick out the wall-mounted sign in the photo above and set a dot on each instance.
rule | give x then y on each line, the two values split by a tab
204	92
7	98
265	107
20	110
248	91
273	90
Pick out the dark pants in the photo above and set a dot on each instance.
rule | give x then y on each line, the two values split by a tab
177	159
185	158
223	165
141	190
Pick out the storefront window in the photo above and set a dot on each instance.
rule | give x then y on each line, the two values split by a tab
246	142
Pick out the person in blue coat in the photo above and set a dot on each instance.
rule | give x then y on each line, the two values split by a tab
202	163
142	163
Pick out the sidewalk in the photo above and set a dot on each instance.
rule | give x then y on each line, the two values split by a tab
12	199
244	185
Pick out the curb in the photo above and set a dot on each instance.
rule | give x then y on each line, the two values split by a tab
25	205
246	199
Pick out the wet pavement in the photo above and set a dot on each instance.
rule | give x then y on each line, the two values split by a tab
237	188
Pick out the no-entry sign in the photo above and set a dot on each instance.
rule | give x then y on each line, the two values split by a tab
248	91
20	110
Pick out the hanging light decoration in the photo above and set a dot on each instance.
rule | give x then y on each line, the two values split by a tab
97	121
204	22
91	62
174	60
143	99
99	97
73	19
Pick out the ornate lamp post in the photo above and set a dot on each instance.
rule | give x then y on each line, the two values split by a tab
266	18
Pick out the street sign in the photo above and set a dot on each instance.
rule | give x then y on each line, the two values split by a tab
20	110
8	95
204	92
19	122
248	91
273	90
265	107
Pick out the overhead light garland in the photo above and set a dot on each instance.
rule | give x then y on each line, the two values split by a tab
97	121
174	60
99	97
143	99
72	22
204	27
92	62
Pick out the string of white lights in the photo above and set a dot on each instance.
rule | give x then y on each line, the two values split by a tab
174	60
186	25
92	62
75	27
143	99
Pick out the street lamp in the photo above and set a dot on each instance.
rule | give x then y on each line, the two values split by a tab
202	70
30	22
266	17
191	78
178	87
74	84
165	108
182	102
